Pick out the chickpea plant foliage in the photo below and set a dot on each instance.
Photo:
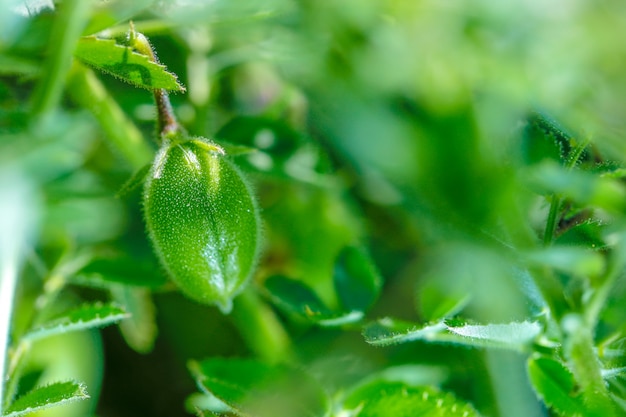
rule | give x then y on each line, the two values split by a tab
431	245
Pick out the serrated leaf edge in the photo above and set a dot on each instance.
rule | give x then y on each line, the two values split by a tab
58	326
181	88
82	394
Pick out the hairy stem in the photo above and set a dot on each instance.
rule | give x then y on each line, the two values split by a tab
166	120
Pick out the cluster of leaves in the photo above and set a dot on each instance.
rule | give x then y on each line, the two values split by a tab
375	152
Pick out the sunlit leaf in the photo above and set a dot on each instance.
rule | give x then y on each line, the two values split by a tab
555	385
122	62
87	316
52	395
383	398
387	332
507	334
510	336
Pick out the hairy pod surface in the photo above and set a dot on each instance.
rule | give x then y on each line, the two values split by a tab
202	220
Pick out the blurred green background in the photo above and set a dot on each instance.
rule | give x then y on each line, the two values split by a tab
397	124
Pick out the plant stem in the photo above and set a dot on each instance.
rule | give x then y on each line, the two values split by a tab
260	327
166	120
65	32
555	207
579	351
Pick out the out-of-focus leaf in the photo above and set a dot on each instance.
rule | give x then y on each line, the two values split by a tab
280	150
107	272
85	317
383	398
108	13
582	187
47	150
140	329
413	375
261	390
122	62
134	182
10	65
555	385
52	395
205	402
438	302
357	280
573	260
309	227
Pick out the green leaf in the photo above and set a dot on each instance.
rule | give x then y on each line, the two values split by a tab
232	149
510	336
295	297
10	65
438	301
384	398
253	388
108	13
140	329
582	187
205	402
281	151
87	316
568	259
122	62
110	271
386	332
543	139
134	182
357	280
40	398
555	385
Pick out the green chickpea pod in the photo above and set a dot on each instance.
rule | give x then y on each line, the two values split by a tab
199	211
